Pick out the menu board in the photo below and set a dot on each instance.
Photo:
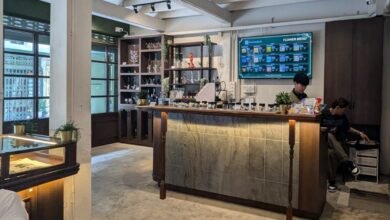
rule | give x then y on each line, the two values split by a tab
275	57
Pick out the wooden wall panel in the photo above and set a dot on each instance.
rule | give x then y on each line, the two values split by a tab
104	128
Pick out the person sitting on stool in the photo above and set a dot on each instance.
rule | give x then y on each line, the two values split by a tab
336	123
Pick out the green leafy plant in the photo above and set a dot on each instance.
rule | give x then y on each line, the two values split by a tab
283	98
207	40
165	49
143	95
165	87
69	126
29	125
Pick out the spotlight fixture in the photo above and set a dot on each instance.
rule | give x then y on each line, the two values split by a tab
169	4
152	5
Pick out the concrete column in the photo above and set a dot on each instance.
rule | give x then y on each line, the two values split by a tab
385	126
1	66
70	41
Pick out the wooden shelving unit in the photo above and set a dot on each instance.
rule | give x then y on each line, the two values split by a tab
141	68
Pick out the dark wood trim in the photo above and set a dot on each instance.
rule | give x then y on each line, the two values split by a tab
104	128
20	183
246	202
233	113
164	125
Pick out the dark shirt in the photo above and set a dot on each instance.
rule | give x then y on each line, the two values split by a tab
300	96
336	124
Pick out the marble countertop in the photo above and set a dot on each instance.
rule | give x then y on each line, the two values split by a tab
234	113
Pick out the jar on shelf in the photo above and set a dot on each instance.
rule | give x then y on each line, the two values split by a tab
261	107
203	105
237	106
246	106
253	106
211	105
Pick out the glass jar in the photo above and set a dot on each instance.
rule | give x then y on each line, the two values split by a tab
246	106
237	106
211	105
225	105
253	106
270	107
261	107
231	105
203	105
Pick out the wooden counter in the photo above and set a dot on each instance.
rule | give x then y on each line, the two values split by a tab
241	157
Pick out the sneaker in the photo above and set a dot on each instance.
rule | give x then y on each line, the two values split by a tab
332	188
355	170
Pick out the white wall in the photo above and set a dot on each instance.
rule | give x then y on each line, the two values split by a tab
385	126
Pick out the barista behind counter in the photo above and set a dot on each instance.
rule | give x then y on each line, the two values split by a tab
301	81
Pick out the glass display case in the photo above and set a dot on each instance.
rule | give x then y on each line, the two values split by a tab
33	154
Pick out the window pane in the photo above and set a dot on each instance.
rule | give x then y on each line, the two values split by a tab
43	87
18	41
44	66
43	108
18	109
113	88
44	45
18	87
98	53
98	105
112	105
98	88
98	70
18	64
113	68
112	54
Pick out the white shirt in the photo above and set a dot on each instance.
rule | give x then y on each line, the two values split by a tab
11	206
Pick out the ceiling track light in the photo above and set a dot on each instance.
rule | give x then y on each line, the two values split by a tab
169	4
152	5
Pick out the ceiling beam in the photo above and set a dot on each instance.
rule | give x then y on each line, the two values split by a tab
208	8
119	13
235	6
176	14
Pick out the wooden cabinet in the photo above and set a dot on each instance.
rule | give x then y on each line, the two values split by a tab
136	127
353	67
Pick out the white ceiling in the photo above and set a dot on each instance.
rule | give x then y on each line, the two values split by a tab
185	8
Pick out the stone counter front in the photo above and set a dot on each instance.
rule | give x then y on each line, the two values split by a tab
234	156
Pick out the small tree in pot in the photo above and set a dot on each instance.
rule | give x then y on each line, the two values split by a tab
68	132
23	127
284	101
143	98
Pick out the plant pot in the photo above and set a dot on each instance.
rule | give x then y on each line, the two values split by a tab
19	129
143	102
284	109
66	136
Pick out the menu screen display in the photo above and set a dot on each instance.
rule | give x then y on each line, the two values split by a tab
275	57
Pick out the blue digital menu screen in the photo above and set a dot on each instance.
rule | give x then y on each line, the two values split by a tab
275	57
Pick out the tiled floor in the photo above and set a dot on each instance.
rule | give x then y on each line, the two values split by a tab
123	189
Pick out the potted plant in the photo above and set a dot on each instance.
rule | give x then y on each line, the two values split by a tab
68	132
284	101
19	128
178	59
143	98
23	127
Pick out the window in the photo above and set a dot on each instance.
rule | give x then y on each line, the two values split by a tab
26	73
104	78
